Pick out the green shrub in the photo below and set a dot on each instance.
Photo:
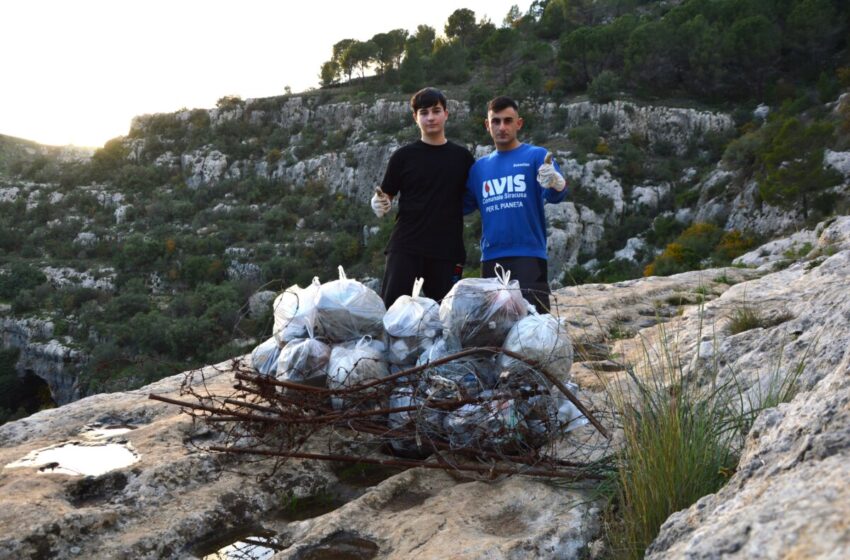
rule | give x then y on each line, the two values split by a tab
629	161
733	244
604	87
586	137
742	152
19	276
617	270
687	252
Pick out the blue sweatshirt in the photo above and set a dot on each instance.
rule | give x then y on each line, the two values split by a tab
503	186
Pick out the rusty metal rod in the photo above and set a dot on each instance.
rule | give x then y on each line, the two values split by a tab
216	410
252	406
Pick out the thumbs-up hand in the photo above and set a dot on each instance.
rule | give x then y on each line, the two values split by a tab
548	177
380	203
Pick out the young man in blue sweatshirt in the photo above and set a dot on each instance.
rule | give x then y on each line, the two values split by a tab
509	188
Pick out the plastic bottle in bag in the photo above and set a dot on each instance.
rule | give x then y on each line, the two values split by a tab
462	377
481	311
348	310
490	424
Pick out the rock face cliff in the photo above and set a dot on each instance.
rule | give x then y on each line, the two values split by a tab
787	498
44	356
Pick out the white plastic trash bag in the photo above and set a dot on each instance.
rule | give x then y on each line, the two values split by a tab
412	323
569	416
348	310
354	363
295	311
543	339
264	357
305	361
481	311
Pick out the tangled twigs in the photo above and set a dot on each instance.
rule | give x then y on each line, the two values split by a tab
512	424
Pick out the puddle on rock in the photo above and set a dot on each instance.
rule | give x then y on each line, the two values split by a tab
79	459
241	544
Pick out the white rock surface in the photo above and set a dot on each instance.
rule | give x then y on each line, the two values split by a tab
672	125
840	161
650	195
631	249
204	166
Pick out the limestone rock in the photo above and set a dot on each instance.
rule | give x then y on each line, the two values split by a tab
203	167
570	231
102	279
788	496
778	249
761	112
745	214
44	356
650	195
9	194
840	161
260	302
159	507
629	252
420	514
673	125
596	175
237	270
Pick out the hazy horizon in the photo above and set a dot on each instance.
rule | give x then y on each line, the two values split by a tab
84	69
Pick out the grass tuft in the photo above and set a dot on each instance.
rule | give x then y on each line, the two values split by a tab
745	318
681	435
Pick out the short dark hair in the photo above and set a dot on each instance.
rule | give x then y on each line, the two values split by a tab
501	103
427	97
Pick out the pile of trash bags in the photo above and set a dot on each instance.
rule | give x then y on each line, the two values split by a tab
339	335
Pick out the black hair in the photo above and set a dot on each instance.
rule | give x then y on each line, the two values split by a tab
427	97
501	103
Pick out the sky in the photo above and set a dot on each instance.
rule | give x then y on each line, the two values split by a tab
77	71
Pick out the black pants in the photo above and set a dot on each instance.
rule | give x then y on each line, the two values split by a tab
531	273
402	269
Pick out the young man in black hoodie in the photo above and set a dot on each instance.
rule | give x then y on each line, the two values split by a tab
429	178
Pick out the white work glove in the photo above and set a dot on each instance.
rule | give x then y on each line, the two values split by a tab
380	203
548	177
